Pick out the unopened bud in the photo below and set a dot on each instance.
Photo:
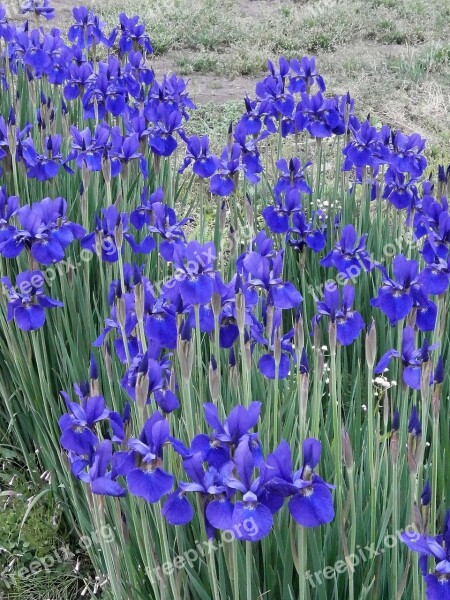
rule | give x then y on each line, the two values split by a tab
214	380
139	301
240	310
414	443
299	337
216	304
142	387
347	451
108	361
185	351
317	337
394	447
121	312
119	235
277	346
333	339
371	344
427	369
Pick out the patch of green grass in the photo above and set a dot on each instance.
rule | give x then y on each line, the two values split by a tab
214	120
417	67
31	530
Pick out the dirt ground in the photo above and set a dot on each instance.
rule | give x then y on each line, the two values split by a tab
393	56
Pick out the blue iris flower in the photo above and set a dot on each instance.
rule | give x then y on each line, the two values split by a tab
27	300
311	502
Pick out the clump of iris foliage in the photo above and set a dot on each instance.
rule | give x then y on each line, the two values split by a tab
250	402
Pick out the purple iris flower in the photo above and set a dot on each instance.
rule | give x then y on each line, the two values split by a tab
292	175
224	181
267	362
156	374
399	190
435	277
100	477
302	234
438	547
45	231
258	504
78	424
87	29
279	102
8	209
208	483
89	148
311	502
197	153
168	229
39	7
149	480
396	297
412	358
105	236
407	156
305	75
46	166
120	424
317	114
367	147
437	228
133	36
251	120
6	30
277	217
349	255
195	275
236	426
165	122
27	300
143	214
349	323
266	274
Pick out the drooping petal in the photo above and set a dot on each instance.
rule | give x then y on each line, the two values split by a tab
177	509
312	506
150	485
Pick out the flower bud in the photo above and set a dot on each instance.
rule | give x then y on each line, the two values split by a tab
185	351
119	234
333	339
371	344
214	380
142	387
347	451
317	337
108	361
426	377
299	336
394	447
277	346
216	304
240	310
139	301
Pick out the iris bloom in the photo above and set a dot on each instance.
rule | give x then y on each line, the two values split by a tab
349	322
27	300
412	358
349	255
437	547
311	502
